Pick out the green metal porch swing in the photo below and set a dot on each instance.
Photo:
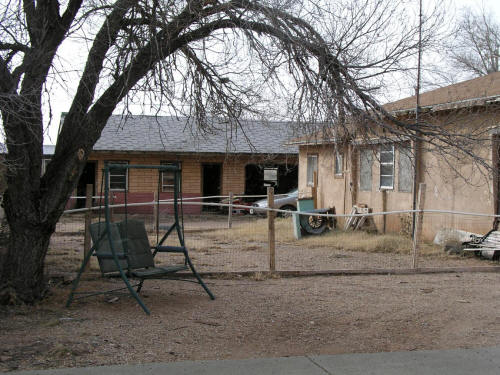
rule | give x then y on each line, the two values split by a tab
123	249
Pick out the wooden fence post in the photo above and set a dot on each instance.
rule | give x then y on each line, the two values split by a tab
155	211
111	203
418	224
384	209
271	232
314	190
88	221
230	211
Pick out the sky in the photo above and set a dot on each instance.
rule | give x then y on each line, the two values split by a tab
60	93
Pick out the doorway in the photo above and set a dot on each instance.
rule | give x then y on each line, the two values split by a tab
211	183
87	177
254	179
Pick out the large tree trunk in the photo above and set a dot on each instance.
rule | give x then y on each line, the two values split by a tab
22	269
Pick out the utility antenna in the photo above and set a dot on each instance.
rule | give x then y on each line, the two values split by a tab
416	142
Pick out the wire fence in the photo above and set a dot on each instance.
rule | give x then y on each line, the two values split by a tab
225	238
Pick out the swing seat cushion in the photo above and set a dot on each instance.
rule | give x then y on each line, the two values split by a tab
103	249
157	271
129	237
135	239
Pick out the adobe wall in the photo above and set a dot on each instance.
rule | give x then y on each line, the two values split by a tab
451	184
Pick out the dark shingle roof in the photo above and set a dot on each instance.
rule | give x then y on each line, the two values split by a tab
171	134
47	149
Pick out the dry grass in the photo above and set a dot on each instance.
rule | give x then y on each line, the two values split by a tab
65	254
337	239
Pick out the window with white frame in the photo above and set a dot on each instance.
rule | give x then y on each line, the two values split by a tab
312	166
387	166
365	169
168	177
339	163
118	178
405	169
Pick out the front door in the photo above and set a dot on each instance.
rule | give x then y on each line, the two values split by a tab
87	177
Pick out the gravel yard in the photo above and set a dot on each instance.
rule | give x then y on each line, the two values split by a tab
254	317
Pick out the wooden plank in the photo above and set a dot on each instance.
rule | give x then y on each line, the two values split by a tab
350	219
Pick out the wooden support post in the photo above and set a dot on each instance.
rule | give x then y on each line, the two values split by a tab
230	211
111	201
156	215
384	209
418	224
315	190
88	221
271	231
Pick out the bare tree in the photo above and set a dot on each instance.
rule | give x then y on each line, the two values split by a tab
203	57
475	49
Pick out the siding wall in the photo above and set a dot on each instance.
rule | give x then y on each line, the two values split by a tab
142	183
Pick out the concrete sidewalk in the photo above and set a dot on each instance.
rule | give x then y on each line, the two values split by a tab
484	361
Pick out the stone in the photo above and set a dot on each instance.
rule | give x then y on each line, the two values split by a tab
448	235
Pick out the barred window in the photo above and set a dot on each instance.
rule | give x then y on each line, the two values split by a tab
387	166
118	178
168	177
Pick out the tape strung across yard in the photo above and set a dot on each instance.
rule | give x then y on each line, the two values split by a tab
188	201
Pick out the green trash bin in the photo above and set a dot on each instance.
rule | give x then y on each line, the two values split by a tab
303	204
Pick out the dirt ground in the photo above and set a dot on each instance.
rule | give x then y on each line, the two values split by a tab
255	318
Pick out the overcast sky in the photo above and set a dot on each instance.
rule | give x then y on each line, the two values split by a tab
61	93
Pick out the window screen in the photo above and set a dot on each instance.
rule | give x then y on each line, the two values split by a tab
405	169
312	166
339	163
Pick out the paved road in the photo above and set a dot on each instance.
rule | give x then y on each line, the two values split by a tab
484	361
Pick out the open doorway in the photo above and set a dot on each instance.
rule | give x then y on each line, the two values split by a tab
212	181
254	179
87	177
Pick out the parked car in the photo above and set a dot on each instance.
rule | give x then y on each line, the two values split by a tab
286	201
237	201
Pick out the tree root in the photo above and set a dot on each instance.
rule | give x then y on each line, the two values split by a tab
8	296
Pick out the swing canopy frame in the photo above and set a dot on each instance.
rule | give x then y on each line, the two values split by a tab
123	249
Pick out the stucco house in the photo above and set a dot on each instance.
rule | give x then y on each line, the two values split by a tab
380	173
221	161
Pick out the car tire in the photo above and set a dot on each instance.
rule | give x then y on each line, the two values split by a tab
313	224
287	207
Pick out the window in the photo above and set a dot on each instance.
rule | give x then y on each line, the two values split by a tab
118	178
365	169
168	177
312	166
386	166
405	169
339	163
